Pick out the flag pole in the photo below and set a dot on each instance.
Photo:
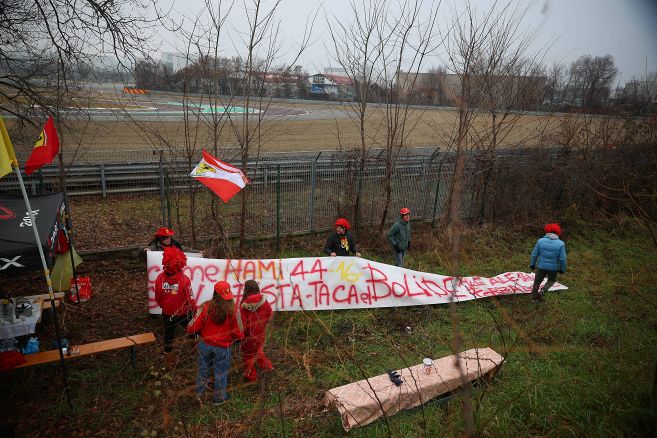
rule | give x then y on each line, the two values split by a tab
67	211
46	273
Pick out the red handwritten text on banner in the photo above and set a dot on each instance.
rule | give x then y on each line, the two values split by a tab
329	283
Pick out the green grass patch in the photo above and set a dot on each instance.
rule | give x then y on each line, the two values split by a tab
582	363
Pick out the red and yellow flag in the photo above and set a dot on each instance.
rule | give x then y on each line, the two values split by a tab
45	148
222	178
7	155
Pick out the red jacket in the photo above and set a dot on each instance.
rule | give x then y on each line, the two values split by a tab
256	313
173	294
218	335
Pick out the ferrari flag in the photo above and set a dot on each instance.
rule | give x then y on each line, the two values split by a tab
222	178
45	148
7	156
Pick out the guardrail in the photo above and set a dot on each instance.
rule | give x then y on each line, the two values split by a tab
108	179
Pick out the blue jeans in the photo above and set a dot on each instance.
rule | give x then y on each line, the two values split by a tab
399	257
217	359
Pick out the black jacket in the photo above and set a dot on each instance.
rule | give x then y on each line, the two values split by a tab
334	244
156	245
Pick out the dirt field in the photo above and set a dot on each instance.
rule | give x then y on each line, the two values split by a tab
287	126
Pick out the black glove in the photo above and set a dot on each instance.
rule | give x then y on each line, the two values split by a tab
395	377
532	267
560	272
396	248
409	245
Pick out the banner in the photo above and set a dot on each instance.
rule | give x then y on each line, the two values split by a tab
331	283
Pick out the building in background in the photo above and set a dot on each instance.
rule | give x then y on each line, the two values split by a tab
175	61
329	86
437	87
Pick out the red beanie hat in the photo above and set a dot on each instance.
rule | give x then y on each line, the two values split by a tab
553	228
342	222
173	260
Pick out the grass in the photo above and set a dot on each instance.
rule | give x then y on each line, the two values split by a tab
580	364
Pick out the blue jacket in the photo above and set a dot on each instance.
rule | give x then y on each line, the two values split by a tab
550	252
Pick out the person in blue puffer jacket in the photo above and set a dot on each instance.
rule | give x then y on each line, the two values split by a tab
550	251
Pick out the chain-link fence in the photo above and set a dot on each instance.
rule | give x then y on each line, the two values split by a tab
119	204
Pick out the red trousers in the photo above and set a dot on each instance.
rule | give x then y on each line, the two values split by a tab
250	359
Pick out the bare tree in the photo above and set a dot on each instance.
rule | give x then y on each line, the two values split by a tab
509	80
213	86
639	96
404	40
372	45
556	85
488	52
431	88
355	49
41	42
591	80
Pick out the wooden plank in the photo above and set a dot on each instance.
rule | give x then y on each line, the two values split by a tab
45	305
58	296
87	349
363	402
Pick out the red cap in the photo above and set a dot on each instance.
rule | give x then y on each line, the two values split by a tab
222	289
553	228
342	222
404	211
164	232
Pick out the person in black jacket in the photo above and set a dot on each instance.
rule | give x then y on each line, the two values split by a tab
162	239
341	242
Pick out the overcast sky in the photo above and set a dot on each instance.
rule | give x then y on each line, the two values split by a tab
626	29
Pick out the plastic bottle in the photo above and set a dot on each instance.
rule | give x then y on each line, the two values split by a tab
11	310
4	314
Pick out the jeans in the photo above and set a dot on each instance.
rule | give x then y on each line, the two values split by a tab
399	257
538	279
217	359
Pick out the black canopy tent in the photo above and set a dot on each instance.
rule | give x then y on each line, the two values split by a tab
18	250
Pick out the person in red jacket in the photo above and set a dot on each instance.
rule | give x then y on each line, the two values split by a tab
216	322
256	313
173	293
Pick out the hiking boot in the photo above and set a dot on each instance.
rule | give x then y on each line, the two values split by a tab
221	401
251	376
171	360
265	363
537	298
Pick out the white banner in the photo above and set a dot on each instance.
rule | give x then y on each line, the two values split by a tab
330	283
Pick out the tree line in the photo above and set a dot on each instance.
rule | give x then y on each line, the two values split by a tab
586	85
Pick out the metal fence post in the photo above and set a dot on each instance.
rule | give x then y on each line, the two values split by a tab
162	192
103	182
40	178
167	183
435	199
278	209
426	191
313	185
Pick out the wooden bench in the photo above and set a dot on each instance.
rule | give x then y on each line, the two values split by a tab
93	348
